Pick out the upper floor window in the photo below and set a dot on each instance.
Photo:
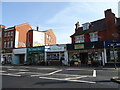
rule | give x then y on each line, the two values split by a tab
86	26
8	33
0	34
5	34
11	44
93	37
79	39
4	44
12	32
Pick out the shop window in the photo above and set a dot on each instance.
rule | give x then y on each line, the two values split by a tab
79	39
93	37
111	55
53	56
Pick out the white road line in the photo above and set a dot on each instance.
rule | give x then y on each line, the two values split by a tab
54	72
10	74
12	69
75	77
18	69
47	68
2	71
23	70
67	80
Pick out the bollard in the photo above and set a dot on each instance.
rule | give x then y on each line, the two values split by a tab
94	73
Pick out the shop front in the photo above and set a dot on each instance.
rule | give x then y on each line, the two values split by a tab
56	55
6	56
112	52
19	56
86	54
35	55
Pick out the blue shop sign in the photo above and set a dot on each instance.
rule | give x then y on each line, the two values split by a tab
112	44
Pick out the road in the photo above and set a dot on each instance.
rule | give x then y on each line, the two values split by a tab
57	77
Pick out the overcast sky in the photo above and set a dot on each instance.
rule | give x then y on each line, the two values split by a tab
59	16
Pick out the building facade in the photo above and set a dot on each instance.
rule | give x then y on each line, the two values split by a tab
13	37
40	38
56	54
106	29
2	27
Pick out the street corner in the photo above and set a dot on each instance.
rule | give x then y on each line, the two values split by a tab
116	79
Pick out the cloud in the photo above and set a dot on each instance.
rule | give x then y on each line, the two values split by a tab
83	12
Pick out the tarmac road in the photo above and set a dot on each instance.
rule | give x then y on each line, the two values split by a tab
57	77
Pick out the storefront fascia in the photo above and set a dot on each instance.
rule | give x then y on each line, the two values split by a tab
19	56
55	52
76	51
7	55
35	55
112	51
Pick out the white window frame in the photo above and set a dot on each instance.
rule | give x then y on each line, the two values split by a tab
93	36
86	26
79	39
4	44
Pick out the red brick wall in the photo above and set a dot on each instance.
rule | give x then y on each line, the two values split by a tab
52	36
87	37
29	42
111	29
23	29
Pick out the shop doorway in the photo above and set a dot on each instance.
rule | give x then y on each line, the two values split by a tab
84	58
22	57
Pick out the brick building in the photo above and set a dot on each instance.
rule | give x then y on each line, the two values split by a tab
2	27
40	38
13	37
92	34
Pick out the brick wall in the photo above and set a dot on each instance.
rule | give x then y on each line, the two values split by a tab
50	38
22	29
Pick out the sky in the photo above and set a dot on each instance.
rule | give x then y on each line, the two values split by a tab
58	16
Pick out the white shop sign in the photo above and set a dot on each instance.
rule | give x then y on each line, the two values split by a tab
55	48
19	51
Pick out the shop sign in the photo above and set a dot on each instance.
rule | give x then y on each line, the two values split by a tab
112	44
54	48
35	49
19	51
79	46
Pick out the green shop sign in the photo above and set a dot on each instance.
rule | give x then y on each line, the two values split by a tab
79	46
35	49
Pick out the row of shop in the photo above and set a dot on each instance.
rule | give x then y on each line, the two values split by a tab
82	54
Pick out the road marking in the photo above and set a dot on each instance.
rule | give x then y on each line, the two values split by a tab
79	69
23	70
75	77
10	74
47	68
67	80
2	71
18	69
54	72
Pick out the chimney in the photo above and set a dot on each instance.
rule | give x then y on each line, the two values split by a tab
109	14
37	28
77	25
